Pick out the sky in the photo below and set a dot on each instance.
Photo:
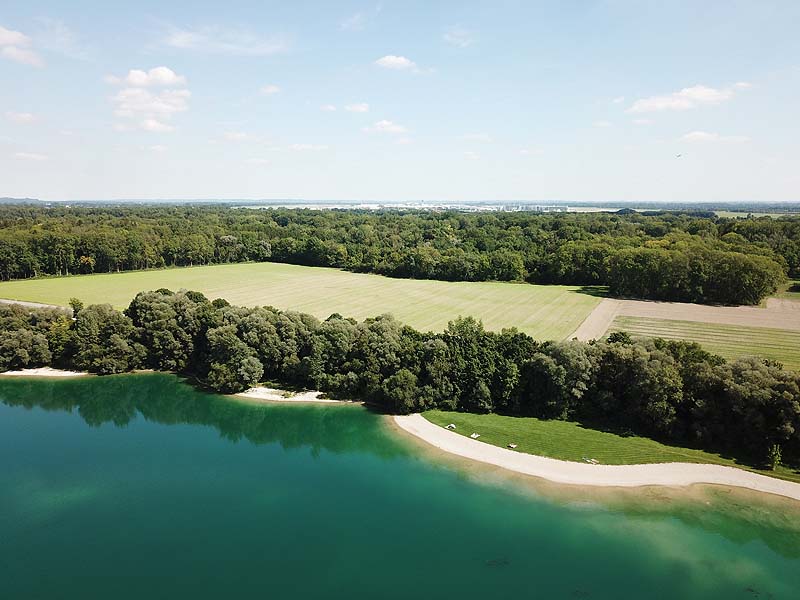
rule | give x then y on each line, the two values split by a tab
407	100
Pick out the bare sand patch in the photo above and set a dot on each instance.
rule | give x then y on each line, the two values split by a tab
572	473
779	313
43	372
269	394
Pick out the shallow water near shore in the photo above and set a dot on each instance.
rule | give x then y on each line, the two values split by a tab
141	486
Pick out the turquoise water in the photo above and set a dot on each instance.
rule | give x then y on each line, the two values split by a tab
140	486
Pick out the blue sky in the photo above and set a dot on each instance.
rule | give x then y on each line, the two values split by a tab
452	101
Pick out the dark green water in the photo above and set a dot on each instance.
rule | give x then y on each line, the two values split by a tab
140	486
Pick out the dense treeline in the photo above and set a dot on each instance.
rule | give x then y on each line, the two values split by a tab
668	390
670	256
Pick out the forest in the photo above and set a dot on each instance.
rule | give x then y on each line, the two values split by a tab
671	391
677	256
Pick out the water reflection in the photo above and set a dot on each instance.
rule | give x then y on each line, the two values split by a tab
169	400
739	516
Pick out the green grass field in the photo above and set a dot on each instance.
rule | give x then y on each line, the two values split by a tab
545	312
790	291
570	441
729	341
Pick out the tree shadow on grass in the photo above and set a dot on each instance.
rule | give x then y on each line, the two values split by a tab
598	291
741	460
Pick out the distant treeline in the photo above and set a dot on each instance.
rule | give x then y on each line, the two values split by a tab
693	257
669	390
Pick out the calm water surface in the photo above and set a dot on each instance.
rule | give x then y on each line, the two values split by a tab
140	486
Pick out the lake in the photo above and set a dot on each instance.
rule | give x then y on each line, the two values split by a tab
141	486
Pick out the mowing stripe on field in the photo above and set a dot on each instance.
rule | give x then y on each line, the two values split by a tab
729	341
545	312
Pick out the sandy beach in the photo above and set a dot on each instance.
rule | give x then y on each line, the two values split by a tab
559	471
275	395
43	372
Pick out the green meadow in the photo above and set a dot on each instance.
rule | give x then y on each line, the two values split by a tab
565	440
729	341
545	312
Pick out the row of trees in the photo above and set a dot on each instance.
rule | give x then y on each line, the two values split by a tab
671	256
668	390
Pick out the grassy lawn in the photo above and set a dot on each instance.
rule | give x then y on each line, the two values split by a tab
791	291
545	312
729	341
571	441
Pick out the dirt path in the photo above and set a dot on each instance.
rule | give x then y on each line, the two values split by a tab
34	304
599	320
778	314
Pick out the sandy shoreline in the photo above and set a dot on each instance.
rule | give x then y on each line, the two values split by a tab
572	473
275	395
43	372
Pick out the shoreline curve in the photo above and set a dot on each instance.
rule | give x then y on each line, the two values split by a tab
573	473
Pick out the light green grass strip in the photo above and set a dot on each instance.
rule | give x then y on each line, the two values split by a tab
729	341
543	311
791	291
570	441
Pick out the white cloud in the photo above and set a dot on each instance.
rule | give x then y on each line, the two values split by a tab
55	36
385	126
9	37
157	76
477	137
602	124
14	45
398	63
307	147
156	126
327	108
360	20
404	141
705	136
131	102
269	90
360	107
355	22
618	100
20	117
21	55
642	121
530	151
216	40
236	136
258	161
30	156
687	98
458	36
158	148
471	155
151	110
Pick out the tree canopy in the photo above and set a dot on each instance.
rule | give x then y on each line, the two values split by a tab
668	390
682	256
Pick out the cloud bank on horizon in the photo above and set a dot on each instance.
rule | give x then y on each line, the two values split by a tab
401	101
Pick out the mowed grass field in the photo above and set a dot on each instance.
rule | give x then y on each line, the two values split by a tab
791	291
729	341
545	312
571	441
